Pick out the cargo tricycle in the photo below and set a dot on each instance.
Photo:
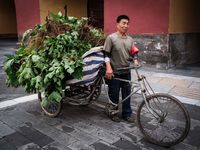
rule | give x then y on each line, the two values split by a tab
162	118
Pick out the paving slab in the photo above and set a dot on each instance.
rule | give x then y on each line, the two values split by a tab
124	144
80	145
176	82
160	88
63	138
84	137
195	85
100	145
16	139
106	136
175	76
186	92
64	128
30	146
154	79
190	101
55	146
44	128
5	145
5	130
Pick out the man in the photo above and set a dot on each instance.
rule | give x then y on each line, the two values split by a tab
118	49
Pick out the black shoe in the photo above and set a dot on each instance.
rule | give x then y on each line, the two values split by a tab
129	119
116	118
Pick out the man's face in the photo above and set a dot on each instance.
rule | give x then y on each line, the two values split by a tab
122	26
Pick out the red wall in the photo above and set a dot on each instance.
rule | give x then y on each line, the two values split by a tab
27	14
146	16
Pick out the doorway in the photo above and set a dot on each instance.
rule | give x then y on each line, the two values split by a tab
96	13
8	26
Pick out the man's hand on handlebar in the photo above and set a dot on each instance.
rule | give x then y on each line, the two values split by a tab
136	63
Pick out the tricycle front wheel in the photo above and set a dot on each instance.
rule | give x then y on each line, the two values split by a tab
170	123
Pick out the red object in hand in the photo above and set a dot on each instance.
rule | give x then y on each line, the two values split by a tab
134	50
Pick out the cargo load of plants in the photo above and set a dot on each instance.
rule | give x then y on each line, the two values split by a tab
50	53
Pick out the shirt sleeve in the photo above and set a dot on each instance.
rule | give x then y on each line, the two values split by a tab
108	45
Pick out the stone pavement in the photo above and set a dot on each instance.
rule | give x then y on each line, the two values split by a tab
25	127
182	87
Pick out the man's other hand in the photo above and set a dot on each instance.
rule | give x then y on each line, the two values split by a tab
109	73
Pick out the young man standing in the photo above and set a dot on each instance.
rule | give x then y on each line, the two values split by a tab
118	49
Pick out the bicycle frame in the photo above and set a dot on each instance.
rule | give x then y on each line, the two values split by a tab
136	85
151	106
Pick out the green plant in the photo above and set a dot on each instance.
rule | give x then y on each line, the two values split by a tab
50	54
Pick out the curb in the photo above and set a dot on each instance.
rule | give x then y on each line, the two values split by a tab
33	97
18	100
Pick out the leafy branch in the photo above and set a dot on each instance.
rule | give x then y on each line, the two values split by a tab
50	54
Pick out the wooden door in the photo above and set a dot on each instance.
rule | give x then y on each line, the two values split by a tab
96	13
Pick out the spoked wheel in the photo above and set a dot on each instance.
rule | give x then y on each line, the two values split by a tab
97	90
52	109
168	125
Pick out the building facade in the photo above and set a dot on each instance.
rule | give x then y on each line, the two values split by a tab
167	32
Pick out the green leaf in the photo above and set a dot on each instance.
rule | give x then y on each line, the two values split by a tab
8	64
35	58
48	77
61	76
70	70
60	13
37	82
55	96
44	102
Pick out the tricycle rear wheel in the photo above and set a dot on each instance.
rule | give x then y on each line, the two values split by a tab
52	108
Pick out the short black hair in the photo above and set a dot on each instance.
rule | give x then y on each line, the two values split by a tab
119	18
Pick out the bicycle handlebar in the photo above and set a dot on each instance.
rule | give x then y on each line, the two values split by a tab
129	68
